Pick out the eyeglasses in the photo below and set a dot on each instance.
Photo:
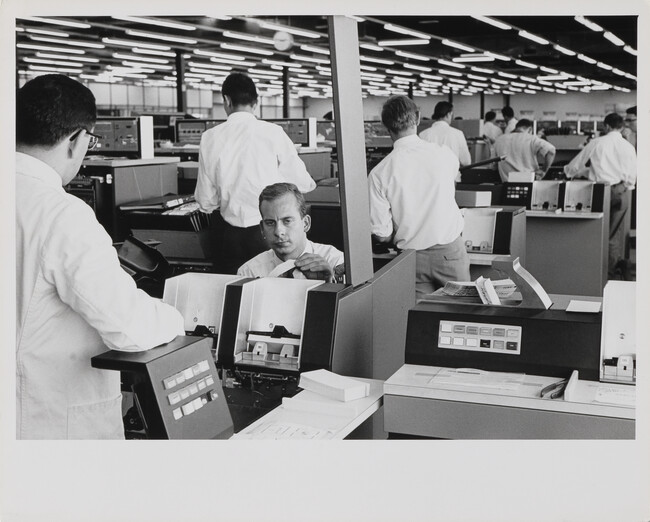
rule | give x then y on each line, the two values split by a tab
93	141
628	120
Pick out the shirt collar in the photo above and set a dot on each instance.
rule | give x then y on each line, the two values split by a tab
406	140
35	168
440	122
309	248
241	115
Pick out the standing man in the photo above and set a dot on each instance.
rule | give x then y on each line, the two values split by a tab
412	200
629	132
442	133
521	150
73	300
284	227
610	159
509	117
491	131
237	159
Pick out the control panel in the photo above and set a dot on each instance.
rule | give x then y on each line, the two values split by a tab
480	337
519	194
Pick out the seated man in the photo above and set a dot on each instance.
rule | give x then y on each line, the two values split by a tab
284	226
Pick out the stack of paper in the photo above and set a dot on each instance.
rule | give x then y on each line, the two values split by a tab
333	386
311	402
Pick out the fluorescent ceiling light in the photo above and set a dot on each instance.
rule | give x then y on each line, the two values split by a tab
493	22
526	64
451	64
498	56
604	66
502	82
292	30
164	37
53	62
152	52
375	60
48	33
210	66
586	59
630	76
506	75
54	69
417	67
395	43
480	84
533	37
431	77
314	49
367	68
449	73
303	58
155	21
588	23
269	73
552	77
480	69
371	47
280	63
414	56
549	70
630	50
232	62
396	71
248	37
450	43
409	32
229	56
527	79
128	63
373	75
476	77
613	38
54	21
139	58
564	50
518	84
457	80
246	49
74	43
50	48
618	71
61	57
134	43
474	58
134	75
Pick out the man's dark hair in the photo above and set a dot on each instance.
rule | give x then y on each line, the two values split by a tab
631	110
399	113
615	121
51	107
490	115
441	110
508	112
277	190
240	88
524	124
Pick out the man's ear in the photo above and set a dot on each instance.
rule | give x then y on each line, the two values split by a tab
76	146
306	222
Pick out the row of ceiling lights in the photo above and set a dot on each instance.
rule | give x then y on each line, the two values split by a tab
211	75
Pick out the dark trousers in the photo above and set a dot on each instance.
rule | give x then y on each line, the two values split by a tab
618	209
238	245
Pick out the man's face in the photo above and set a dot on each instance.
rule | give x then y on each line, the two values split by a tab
630	121
282	227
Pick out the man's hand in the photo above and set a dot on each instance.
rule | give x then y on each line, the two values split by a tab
314	266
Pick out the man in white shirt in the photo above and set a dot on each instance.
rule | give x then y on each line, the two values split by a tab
237	159
521	150
284	227
491	131
609	159
412	200
442	133
73	300
509	117
629	132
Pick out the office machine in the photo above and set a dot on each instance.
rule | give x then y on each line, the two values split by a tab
547	195
618	343
495	230
189	131
129	137
473	198
301	131
578	196
176	389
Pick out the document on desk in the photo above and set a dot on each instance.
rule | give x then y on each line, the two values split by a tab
285	431
478	378
620	395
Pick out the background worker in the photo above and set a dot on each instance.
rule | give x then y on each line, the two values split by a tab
284	227
521	149
73	299
237	159
491	131
610	159
629	132
442	133
412	202
509	117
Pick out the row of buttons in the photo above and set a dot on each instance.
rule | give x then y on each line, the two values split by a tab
192	389
465	335
478	330
193	406
474	342
185	375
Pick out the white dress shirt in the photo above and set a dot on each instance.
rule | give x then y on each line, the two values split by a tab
510	126
412	191
609	159
492	131
444	134
521	150
263	264
73	301
240	157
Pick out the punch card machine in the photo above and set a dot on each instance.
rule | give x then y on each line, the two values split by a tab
480	371
270	327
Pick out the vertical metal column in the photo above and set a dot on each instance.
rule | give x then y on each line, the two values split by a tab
348	115
482	109
181	88
286	99
450	97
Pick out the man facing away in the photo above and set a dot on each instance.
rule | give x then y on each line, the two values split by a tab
412	200
491	131
521	149
442	133
237	159
73	300
509	117
609	159
284	227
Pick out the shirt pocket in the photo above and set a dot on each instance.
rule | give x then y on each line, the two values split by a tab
98	420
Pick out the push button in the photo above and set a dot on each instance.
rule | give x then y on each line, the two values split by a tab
445	340
513	333
486	331
499	332
485	343
459	341
471	342
511	345
498	345
459	328
472	330
177	413
169	382
445	327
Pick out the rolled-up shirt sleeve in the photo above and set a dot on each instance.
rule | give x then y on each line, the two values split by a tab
578	165
381	217
82	263
291	167
206	192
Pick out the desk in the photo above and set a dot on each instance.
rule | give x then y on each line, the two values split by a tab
415	406
337	425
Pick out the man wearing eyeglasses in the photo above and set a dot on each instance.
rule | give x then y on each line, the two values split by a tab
73	300
629	132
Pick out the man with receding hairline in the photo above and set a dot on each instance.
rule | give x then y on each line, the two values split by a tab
442	133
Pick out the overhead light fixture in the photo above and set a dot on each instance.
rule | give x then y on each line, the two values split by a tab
128	63
134	43
396	43
502	82
613	38
473	58
367	68
61	57
139	58
153	52
212	54
409	32
493	22
451	64
246	49
506	75
314	49
564	50
413	56
50	48
417	67
533	37
456	45
630	50
375	60
476	77
52	62
73	43
481	69
396	71
287	29
54	69
518	84
527	79
431	77
480	84
549	69
553	77
280	63
449	73
630	76
210	66
60	34
157	22
303	58
526	64
585	58
588	23
501	57
239	63
54	21
248	37
604	66
371	47
618	71
164	37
